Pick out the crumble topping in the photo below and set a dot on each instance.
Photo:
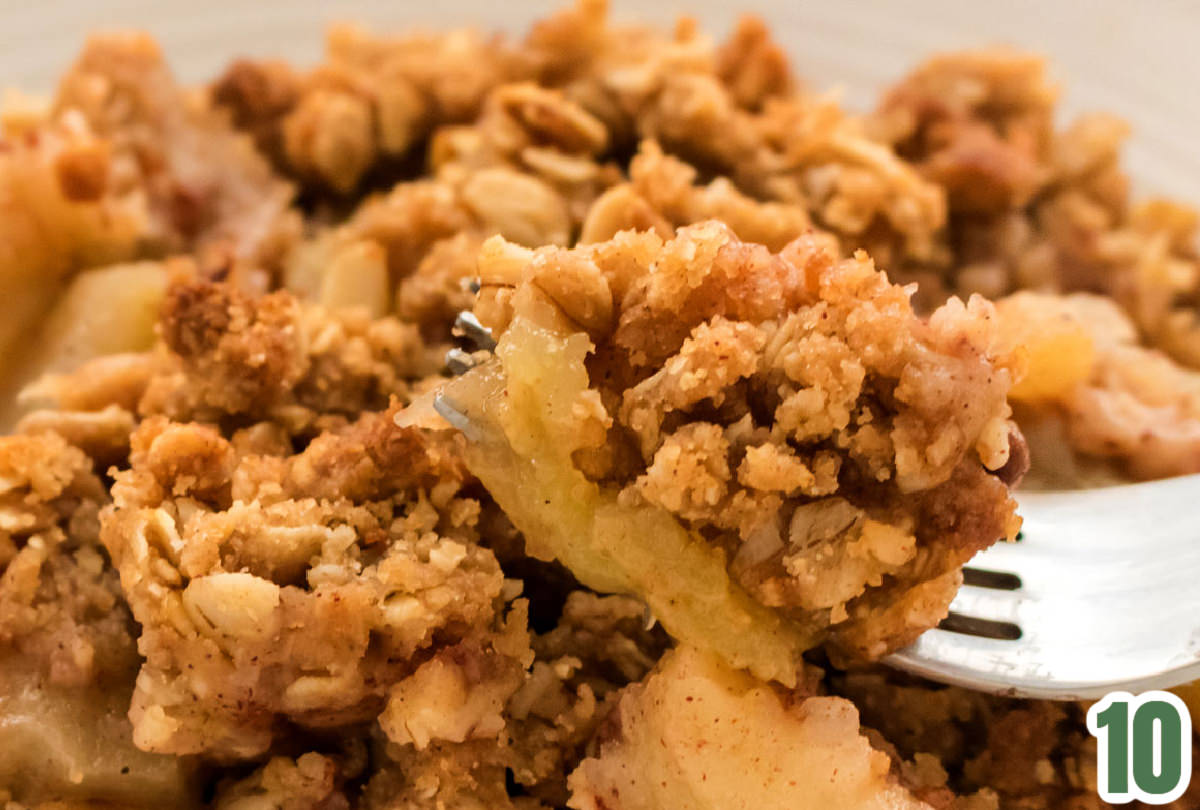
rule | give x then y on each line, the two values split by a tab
244	563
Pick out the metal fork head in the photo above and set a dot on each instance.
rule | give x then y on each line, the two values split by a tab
1101	592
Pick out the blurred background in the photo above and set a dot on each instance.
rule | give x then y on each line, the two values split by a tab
1139	60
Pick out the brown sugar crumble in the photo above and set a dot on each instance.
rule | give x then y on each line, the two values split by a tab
767	374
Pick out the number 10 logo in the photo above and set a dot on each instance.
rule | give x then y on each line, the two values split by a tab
1144	747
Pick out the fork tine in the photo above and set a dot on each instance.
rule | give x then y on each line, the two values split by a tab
992	604
459	361
1005	557
1102	589
467	325
453	413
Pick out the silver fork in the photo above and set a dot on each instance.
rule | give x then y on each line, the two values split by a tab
1101	592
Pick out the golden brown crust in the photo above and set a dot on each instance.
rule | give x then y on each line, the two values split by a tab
272	358
791	410
263	531
61	609
205	185
292	588
1035	207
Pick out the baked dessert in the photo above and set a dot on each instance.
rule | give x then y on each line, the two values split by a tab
766	374
720	429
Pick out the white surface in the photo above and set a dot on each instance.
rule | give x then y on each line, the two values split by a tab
1140	60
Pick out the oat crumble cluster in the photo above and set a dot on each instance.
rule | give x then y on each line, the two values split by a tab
766	374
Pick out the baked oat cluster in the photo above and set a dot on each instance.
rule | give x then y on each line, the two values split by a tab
840	456
765	375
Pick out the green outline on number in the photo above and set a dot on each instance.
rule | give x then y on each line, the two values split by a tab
1126	728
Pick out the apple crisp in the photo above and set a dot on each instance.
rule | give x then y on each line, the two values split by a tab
762	376
786	413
